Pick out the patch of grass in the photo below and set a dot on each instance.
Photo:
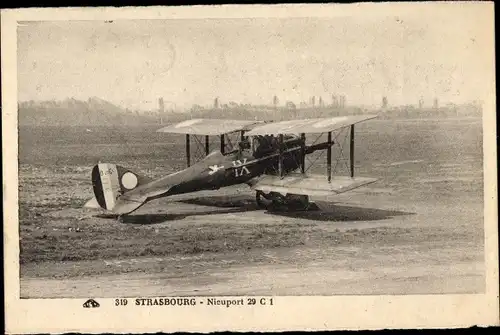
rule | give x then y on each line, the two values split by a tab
89	241
56	176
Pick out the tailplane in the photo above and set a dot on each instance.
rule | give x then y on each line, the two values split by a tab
110	182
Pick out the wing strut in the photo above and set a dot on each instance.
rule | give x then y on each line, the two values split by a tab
303	153
188	150
280	157
207	145
329	157
222	144
351	151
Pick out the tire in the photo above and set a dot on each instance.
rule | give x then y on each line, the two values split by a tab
277	202
260	199
297	202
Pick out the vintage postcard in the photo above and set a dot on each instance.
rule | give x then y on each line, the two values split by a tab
249	168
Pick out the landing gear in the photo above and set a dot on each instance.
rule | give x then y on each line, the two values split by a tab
278	202
263	200
297	202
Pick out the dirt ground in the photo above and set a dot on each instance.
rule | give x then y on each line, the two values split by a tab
418	230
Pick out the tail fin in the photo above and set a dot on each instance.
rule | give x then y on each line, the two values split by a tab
109	182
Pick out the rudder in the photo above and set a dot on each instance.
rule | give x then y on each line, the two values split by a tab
110	181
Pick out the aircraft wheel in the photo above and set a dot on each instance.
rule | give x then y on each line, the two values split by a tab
261	200
297	202
278	202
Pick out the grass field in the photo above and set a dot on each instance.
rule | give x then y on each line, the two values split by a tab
427	169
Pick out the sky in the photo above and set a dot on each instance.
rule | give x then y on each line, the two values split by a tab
191	61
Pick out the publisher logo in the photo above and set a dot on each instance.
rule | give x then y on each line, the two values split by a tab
91	303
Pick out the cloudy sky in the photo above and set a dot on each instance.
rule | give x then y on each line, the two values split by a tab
187	61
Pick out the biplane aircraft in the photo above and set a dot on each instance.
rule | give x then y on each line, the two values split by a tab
270	158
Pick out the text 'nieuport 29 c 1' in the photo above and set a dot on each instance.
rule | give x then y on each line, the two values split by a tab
270	158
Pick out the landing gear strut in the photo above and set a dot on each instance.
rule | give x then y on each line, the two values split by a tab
263	200
277	201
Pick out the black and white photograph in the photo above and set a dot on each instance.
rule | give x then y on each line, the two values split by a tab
347	151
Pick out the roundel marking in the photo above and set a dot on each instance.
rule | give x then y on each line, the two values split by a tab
328	122
129	180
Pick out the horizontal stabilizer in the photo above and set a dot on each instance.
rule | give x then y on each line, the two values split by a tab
92	203
314	185
126	205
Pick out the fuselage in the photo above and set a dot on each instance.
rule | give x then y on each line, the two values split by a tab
121	191
238	167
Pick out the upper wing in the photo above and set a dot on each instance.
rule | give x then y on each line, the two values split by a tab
208	126
320	125
318	185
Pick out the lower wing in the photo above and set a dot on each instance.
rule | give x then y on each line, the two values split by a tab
315	185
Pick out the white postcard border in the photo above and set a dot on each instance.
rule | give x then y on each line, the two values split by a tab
287	313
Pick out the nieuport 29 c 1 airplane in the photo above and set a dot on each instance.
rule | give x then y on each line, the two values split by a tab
270	158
